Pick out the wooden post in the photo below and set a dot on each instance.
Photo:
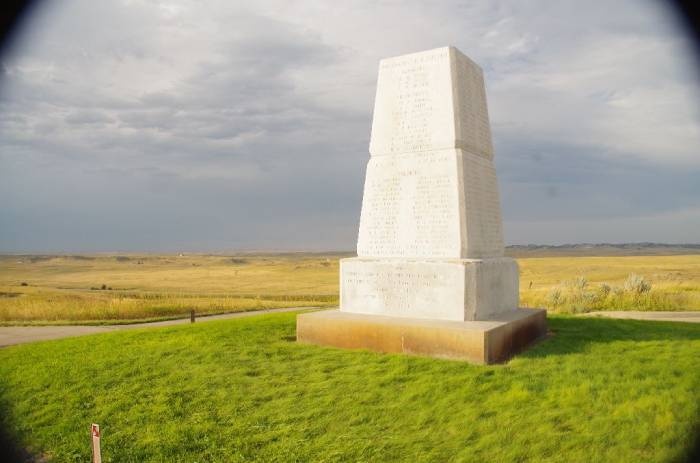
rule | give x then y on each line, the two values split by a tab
192	316
96	454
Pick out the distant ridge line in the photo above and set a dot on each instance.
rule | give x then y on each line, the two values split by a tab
609	245
517	250
601	249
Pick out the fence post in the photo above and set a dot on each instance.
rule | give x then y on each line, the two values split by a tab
96	454
192	316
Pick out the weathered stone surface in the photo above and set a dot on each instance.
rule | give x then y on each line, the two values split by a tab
430	100
411	206
430	194
431	188
479	342
438	204
457	290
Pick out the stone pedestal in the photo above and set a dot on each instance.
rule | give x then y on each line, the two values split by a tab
430	246
476	342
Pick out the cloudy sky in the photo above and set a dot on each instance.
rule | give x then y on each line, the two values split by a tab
226	125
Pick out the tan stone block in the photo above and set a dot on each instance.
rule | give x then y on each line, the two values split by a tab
481	342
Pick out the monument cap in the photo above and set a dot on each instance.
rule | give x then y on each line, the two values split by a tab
430	100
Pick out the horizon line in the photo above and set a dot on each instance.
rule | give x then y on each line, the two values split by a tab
647	244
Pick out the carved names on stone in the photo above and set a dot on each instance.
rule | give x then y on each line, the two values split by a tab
484	236
410	207
421	290
413	109
473	131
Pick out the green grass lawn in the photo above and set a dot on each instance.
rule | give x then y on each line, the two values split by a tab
242	390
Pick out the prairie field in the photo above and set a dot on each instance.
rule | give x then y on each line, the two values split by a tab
588	283
96	289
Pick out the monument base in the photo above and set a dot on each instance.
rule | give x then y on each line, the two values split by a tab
481	342
435	289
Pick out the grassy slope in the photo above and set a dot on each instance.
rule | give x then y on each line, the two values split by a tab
598	390
169	286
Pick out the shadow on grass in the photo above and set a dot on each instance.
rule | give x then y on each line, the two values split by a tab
693	454
577	334
10	449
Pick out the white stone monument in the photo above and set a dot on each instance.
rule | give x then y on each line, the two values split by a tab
430	276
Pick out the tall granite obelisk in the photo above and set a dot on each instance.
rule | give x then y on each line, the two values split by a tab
430	245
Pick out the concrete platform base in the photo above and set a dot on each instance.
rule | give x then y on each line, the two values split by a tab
479	342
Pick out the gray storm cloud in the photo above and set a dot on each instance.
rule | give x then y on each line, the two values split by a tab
165	126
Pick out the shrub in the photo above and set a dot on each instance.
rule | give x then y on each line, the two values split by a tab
603	290
579	283
104	287
24	283
636	285
554	297
584	301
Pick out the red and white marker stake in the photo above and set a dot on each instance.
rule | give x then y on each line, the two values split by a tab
96	454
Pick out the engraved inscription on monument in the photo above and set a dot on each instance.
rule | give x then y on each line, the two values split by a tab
412	108
473	132
411	207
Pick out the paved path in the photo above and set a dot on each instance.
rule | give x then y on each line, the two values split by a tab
688	317
10	335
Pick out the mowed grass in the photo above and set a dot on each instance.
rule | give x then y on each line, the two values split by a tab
67	289
244	390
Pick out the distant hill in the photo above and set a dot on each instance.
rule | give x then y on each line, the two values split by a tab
602	249
525	250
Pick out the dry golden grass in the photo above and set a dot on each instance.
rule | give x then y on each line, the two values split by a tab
156	287
675	283
66	289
